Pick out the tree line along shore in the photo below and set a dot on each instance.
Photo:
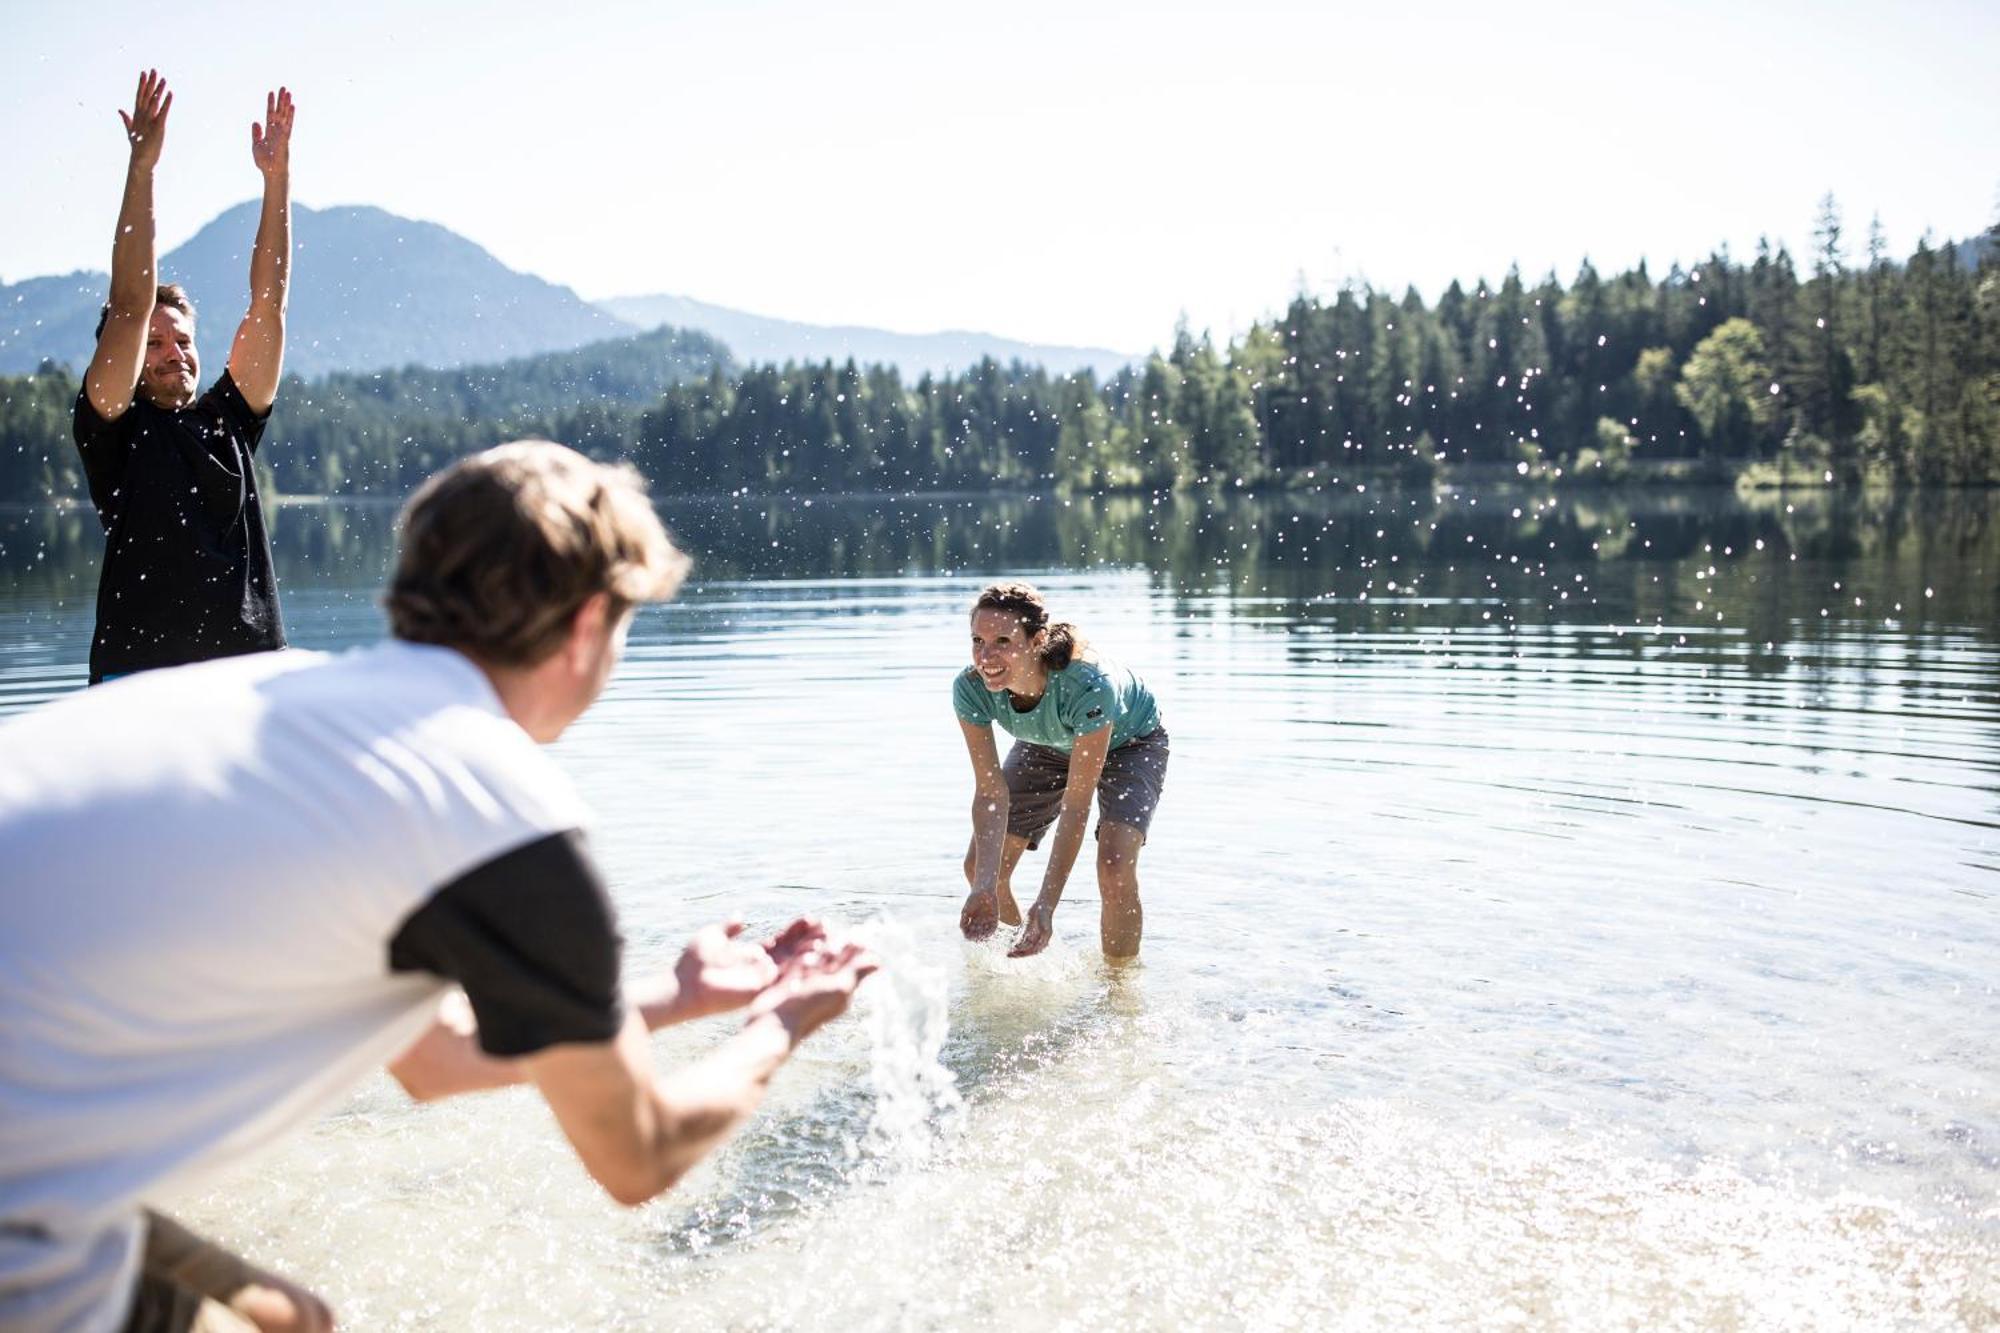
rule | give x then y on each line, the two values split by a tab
1764	373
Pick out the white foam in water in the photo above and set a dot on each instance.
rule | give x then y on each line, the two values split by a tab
905	1007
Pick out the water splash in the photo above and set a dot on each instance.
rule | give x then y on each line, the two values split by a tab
917	1105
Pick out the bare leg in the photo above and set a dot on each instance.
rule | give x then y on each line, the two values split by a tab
270	1303
1122	920
1010	856
275	1305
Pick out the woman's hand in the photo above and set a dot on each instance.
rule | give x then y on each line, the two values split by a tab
1035	934
981	914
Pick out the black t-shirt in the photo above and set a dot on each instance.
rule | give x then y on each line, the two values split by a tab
187	564
532	937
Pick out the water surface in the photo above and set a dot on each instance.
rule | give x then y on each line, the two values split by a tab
1564	911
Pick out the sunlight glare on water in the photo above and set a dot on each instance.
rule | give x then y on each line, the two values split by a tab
1587	932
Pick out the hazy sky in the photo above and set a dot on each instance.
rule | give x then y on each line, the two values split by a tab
1062	172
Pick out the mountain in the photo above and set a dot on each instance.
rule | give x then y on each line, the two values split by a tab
757	338
369	290
633	370
49	319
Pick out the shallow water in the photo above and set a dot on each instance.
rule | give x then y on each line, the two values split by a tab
1563	913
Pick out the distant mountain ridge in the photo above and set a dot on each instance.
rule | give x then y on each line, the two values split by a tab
761	338
374	291
51	319
630	370
369	290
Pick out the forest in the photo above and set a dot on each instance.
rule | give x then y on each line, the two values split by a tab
1842	369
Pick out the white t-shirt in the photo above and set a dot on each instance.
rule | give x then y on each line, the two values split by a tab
227	893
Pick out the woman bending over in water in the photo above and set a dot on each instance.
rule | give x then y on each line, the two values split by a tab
1082	726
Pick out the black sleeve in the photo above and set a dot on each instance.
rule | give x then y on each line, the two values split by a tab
532	937
103	447
227	401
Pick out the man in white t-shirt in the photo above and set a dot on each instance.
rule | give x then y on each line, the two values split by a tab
228	891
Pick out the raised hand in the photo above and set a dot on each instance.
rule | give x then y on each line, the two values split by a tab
814	987
271	142
146	127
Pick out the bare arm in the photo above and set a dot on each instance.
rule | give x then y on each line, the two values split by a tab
1086	767
447	1060
717	972
121	348
257	358
638	1135
981	913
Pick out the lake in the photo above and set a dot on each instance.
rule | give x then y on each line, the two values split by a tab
1566	910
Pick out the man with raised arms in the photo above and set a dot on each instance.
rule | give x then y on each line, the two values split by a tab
187	565
234	888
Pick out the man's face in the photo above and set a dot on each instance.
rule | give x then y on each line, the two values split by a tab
611	651
172	368
582	668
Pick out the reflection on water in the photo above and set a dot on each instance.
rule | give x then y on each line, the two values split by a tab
1570	912
1618	559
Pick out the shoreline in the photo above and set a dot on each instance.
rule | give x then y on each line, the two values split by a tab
1749	477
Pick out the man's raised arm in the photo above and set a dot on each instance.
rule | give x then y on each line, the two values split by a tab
257	358
121	344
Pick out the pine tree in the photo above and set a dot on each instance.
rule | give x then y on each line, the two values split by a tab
1824	378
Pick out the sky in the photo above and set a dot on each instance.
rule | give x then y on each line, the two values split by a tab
1071	173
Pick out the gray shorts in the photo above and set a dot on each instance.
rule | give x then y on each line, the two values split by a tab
1134	775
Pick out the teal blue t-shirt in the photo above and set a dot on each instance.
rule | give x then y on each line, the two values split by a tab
1082	698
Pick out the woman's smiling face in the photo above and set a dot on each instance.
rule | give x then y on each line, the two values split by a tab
1006	656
